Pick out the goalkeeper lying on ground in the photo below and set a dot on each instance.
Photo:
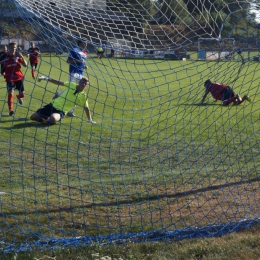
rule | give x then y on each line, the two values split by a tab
74	95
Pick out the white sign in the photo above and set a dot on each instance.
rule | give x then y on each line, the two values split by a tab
8	41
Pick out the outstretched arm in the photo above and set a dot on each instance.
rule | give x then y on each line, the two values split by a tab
54	81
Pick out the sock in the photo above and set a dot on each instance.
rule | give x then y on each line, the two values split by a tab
10	101
20	95
33	73
239	102
228	101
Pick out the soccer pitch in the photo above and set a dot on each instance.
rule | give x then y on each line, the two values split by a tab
149	162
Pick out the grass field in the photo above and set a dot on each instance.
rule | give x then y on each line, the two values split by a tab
155	159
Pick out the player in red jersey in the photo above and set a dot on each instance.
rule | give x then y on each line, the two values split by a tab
13	75
33	53
223	92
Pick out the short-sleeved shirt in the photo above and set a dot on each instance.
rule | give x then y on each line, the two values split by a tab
68	99
78	54
34	53
100	50
12	68
216	90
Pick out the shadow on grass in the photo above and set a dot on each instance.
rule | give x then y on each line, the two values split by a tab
202	105
132	201
25	124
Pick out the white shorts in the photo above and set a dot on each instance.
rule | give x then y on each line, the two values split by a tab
75	77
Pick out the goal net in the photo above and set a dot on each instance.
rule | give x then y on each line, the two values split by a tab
158	164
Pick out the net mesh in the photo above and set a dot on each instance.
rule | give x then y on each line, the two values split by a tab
157	165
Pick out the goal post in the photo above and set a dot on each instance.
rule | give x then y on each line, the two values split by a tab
216	49
119	48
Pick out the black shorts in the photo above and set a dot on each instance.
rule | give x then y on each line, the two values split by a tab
33	64
13	85
227	93
48	110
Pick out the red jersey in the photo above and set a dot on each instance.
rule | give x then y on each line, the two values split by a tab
216	90
12	68
34	53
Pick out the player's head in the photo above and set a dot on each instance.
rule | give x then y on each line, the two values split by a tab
83	83
32	45
207	83
82	43
12	48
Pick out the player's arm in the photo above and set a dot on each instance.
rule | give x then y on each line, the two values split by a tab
88	113
54	81
23	61
204	97
74	58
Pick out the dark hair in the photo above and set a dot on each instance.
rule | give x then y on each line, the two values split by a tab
85	79
12	43
207	83
81	41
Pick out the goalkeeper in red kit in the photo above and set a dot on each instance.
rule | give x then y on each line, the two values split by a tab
33	53
13	75
224	93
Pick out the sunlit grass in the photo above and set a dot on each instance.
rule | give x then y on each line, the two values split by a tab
152	145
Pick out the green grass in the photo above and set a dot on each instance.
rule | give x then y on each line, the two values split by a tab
152	141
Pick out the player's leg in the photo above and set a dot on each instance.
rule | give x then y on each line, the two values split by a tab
241	100
228	96
35	117
33	69
20	87
43	114
54	118
10	97
73	77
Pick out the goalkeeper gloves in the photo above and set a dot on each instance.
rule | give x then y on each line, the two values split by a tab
91	121
43	78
